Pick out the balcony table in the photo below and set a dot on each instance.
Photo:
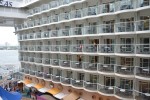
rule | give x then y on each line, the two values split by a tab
65	62
88	83
77	81
110	88
146	70
124	47
48	74
105	66
57	76
122	90
77	63
147	94
124	68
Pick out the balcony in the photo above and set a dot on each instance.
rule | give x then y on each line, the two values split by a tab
142	95
32	72
55	62
107	28
143	3
25	58
90	11
90	66
77	31
90	48
54	18
31	48
65	32
126	48
56	78
126	70
54	33
55	48
143	71
76	14
64	16
22	70
38	35
107	48
25	37
39	74
90	86
124	93
106	89
46	61
124	5
46	34
65	48
125	27
77	48
53	4
37	22
21	58
31	59
109	68
90	30
38	60
31	36
26	71
38	48
106	8
44	7
36	10
143	48
77	64
45	21
65	63
77	83
47	76
46	48
66	80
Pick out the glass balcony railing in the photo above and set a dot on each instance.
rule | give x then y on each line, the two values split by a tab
65	48
21	58
90	30
38	47
106	89
56	78
31	59
44	7
125	93
46	48
54	18
65	63
31	47
77	83
31	36
55	62
90	66
37	22
90	11
46	34
126	70
26	71
107	48
143	3
38	60
126	48
54	33
109	68
106	8
64	16
22	70
32	72
46	61
65	32
76	14
45	21
77	48
107	28
66	80
39	74
125	27
91	86
53	4
55	48
124	5
143	71
25	36
143	25
38	35
77	64
36	10
90	48
142	95
77	31
143	48
47	76
25	58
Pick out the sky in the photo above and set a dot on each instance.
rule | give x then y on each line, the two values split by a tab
7	36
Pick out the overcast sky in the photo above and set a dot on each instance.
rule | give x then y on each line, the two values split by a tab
7	35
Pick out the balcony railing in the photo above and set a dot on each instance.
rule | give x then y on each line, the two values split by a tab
143	3
90	30
109	68
90	86
38	60
46	61
125	93
143	71
106	28
77	64
31	47
76	14
143	48
141	95
126	70
90	11
56	78
65	48
106	8
65	63
90	66
31	36
77	31
55	62
106	89
55	48
90	48
77	83
22	70
66	80
107	48
65	32
32	72
31	59
46	48
46	34
39	74
126	48
125	27
47	76
64	16
25	58
77	48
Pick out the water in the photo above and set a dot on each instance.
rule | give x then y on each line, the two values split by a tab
8	61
